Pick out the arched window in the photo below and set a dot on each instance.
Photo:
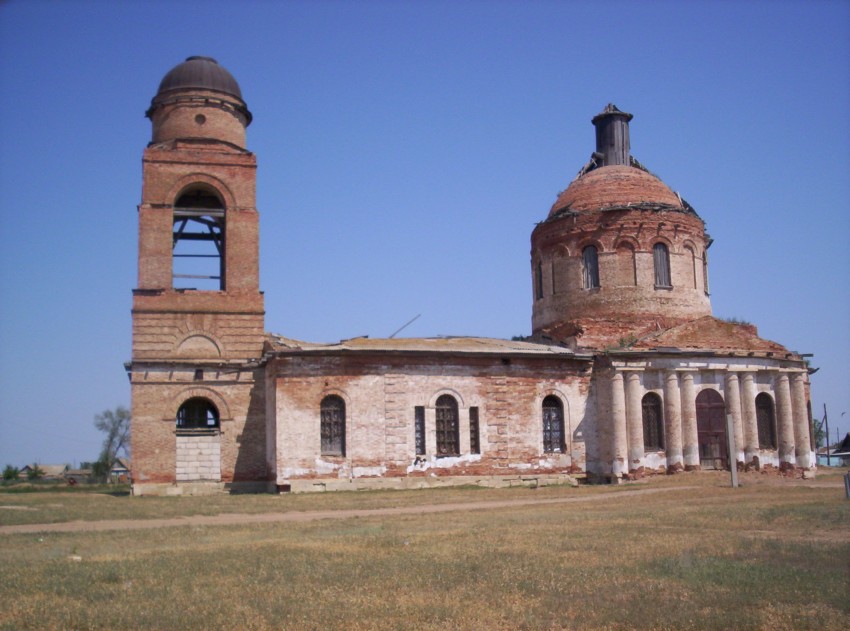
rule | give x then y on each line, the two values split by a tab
333	426
197	413
538	281
661	260
448	436
553	425
766	421
653	422
590	267
198	240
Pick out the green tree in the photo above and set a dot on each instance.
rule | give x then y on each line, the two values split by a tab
35	472
11	472
820	433
116	425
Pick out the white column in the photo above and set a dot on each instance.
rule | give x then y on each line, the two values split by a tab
801	420
733	407
690	435
673	421
748	406
634	421
786	420
619	447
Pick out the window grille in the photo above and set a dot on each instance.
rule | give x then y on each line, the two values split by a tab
590	267
553	425
766	421
419	429
447	426
333	426
653	422
661	259
474	436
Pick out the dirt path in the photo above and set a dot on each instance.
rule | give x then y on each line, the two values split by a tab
230	519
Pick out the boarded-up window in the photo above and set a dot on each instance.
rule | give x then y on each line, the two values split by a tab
590	267
626	265
419	429
661	259
560	275
553	425
766	421
333	426
653	422
474	436
447	426
693	256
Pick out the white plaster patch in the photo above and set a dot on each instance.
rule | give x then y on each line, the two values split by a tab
359	472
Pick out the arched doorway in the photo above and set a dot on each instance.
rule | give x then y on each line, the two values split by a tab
711	430
198	449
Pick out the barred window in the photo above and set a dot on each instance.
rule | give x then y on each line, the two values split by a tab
333	426
419	429
553	425
474	436
197	413
447	426
661	260
653	422
590	267
766	421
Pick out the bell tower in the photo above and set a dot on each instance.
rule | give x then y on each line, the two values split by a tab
198	314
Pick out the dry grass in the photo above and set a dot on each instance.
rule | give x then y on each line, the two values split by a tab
773	554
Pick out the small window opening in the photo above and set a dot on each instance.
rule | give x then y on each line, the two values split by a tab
538	281
198	241
199	374
474	436
419	429
197	413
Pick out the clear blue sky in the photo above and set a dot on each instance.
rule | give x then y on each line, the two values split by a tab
406	151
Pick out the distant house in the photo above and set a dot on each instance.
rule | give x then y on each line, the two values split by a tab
839	455
120	471
50	471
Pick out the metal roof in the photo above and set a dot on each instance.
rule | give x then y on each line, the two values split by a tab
442	345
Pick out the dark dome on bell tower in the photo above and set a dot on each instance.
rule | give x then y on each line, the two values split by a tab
200	73
199	100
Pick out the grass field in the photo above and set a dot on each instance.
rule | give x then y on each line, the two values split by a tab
693	553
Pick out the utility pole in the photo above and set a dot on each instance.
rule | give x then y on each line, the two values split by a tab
826	422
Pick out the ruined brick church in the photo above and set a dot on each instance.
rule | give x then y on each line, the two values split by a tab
626	372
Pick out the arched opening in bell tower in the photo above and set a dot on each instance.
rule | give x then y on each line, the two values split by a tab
198	240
